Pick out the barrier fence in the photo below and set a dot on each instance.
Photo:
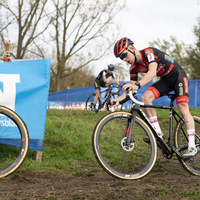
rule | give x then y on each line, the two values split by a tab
75	98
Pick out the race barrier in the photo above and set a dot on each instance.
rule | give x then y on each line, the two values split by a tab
24	88
75	98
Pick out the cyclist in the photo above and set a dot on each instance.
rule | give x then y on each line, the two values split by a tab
154	62
101	81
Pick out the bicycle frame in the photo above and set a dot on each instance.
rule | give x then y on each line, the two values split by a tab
107	95
136	109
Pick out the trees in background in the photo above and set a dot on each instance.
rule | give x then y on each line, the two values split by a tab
26	21
188	56
76	31
81	34
193	54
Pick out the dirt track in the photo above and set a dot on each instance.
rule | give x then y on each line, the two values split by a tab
167	180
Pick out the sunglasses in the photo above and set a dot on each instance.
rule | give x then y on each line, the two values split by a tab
123	55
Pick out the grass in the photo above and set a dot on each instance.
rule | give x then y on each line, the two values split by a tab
68	147
191	194
163	191
67	142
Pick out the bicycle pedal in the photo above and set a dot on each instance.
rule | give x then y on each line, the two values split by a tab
146	139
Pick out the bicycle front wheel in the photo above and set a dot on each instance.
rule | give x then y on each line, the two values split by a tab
115	157
181	141
14	141
89	105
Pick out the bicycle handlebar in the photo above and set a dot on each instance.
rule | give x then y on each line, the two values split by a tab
129	96
110	88
133	98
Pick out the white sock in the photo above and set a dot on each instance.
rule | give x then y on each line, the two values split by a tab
191	137
155	124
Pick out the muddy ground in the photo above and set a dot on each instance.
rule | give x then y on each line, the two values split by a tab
167	180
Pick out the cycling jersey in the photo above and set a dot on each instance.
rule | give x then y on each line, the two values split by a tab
173	77
104	73
99	82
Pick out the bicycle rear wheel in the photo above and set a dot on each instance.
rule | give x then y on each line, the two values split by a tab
109	146
14	141
181	141
89	105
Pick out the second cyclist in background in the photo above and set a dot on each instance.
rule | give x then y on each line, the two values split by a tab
102	81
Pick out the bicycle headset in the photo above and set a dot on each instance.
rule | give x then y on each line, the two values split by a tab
111	67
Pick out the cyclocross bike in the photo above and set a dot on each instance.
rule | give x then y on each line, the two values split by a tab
89	105
14	141
119	147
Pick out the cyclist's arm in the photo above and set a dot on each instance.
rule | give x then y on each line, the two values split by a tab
117	82
146	79
150	74
104	78
123	96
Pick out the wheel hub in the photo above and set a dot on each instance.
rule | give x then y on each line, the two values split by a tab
127	146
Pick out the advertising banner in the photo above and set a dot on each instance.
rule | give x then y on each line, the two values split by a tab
76	98
24	88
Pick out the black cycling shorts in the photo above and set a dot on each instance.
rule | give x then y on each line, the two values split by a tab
176	82
98	84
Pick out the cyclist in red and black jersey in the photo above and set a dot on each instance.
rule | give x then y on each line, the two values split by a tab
101	81
154	62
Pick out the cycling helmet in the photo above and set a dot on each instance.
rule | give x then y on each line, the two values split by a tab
111	67
121	45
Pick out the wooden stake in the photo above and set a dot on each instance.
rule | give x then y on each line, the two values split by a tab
39	156
8	46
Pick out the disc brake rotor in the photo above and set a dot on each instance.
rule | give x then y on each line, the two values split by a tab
126	146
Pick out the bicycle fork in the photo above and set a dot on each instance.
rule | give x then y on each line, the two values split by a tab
128	141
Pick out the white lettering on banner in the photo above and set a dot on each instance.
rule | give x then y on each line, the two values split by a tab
8	95
7	123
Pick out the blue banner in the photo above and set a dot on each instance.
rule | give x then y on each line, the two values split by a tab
76	98
24	87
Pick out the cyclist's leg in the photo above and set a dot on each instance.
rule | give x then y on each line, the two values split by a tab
182	93
153	92
97	91
97	96
147	98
